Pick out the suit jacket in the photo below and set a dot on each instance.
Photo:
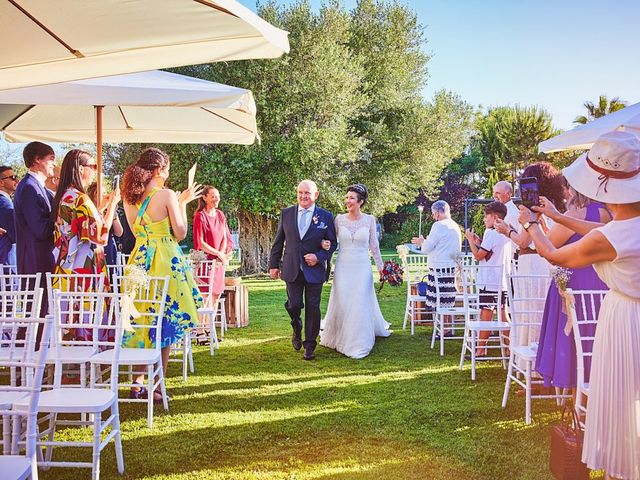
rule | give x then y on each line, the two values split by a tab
34	228
7	221
295	248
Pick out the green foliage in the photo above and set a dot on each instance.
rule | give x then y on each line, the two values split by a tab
602	107
508	138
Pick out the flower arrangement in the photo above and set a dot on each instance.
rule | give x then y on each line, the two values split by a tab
196	257
403	251
561	277
391	274
134	277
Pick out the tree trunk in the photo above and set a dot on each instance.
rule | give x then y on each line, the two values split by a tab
256	235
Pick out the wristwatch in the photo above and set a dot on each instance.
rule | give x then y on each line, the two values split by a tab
528	224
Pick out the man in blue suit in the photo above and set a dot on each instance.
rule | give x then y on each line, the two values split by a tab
34	226
8	183
305	265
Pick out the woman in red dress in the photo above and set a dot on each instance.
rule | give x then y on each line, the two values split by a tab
211	235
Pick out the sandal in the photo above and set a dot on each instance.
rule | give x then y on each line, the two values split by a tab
157	396
139	394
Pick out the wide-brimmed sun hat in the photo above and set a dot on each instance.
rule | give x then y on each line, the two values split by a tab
610	171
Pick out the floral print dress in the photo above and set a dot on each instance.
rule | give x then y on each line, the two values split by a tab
160	255
76	237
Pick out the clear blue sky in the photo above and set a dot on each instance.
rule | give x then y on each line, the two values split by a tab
556	54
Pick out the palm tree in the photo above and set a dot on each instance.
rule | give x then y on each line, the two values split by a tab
604	107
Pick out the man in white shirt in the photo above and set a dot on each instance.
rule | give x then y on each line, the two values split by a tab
502	192
443	244
494	255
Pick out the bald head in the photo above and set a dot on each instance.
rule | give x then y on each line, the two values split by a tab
502	191
307	192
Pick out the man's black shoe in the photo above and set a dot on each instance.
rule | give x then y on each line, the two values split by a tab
309	354
296	341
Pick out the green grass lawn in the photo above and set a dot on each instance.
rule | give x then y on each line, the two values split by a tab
256	410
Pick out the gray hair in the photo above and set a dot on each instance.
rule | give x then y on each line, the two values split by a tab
441	207
504	187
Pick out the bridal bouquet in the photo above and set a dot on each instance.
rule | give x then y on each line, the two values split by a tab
561	277
391	273
133	279
403	251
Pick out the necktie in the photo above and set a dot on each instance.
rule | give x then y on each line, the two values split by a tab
302	222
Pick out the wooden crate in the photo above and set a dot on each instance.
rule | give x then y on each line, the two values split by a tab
236	305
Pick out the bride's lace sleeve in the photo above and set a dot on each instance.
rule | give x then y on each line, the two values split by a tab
374	248
336	224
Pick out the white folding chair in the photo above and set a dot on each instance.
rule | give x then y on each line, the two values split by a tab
73	349
23	282
20	349
415	269
150	303
106	326
499	327
448	318
527	297
122	258
209	314
583	315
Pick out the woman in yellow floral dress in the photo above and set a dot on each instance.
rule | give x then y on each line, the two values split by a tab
159	221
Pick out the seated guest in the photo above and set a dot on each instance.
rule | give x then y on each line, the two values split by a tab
8	184
80	229
34	228
493	254
211	235
442	246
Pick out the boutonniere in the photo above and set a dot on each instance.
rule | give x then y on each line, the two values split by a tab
315	219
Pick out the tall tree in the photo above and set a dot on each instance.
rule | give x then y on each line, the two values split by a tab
344	106
508	138
602	107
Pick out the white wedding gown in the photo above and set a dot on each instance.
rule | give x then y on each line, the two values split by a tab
353	319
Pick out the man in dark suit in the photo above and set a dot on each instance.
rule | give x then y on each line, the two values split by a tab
34	226
8	183
305	265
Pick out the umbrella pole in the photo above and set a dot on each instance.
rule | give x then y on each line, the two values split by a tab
99	152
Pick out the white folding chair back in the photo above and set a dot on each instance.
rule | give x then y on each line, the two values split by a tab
414	268
150	303
583	315
106	327
450	317
527	297
20	303
122	258
203	275
73	282
19	348
483	288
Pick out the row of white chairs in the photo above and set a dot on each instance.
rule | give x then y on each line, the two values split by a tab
518	334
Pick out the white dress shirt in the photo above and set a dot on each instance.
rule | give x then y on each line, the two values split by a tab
443	244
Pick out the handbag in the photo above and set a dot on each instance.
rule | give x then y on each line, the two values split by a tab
422	286
565	458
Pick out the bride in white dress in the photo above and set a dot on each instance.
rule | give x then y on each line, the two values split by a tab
353	319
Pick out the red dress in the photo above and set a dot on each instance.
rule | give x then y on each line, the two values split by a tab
213	230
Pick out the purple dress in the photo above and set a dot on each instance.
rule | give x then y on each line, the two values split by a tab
556	357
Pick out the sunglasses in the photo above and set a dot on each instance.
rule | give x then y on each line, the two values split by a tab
12	177
93	166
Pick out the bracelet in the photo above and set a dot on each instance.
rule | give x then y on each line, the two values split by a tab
513	230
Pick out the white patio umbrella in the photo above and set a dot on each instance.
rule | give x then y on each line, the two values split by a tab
62	40
583	136
145	107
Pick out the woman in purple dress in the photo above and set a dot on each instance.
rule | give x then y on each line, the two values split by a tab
556	357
